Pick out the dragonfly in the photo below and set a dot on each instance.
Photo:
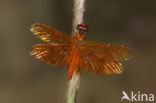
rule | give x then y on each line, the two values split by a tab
62	49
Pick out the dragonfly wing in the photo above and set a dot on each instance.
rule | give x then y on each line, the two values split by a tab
53	55
49	34
117	52
99	63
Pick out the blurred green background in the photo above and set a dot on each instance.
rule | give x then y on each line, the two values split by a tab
26	80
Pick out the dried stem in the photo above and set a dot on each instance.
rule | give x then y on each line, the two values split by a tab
78	11
73	86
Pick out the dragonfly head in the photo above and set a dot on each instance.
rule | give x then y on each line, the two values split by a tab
82	29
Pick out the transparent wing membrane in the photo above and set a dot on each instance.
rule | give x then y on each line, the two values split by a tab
117	52
50	35
53	55
98	63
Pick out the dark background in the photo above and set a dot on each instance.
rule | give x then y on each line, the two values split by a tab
26	80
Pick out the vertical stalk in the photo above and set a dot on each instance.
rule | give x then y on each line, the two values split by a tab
78	12
73	85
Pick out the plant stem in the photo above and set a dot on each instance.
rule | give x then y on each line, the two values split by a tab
73	85
78	12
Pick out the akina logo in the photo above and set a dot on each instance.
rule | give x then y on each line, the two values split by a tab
137	96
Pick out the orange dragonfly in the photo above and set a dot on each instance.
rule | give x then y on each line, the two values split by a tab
65	50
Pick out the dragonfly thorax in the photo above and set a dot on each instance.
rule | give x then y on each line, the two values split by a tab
80	37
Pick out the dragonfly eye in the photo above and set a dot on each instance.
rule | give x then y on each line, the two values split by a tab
82	28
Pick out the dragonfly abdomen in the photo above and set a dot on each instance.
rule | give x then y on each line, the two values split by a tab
73	62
